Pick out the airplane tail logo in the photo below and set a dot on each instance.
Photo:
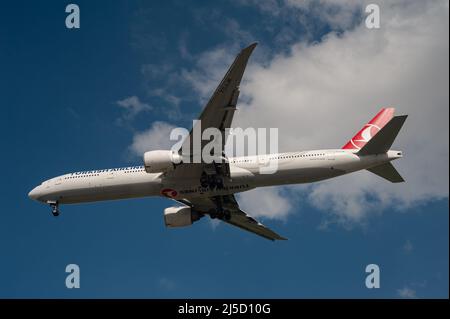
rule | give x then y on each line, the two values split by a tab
370	129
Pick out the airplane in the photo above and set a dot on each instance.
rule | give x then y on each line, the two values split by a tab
208	188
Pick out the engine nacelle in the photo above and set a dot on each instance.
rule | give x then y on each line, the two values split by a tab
180	216
160	161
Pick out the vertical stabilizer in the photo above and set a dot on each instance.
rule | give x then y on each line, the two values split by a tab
370	129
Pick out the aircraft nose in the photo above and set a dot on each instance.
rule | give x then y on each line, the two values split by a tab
34	193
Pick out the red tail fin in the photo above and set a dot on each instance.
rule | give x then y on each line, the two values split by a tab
370	129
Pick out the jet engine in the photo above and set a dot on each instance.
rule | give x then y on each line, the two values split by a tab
160	161
180	216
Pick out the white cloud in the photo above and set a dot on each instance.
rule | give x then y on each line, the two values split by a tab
335	86
266	202
214	223
157	137
132	107
273	7
338	14
210	67
305	17
406	293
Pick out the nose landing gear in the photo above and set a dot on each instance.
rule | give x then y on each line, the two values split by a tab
55	208
220	211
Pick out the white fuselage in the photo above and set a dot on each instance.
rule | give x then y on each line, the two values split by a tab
246	173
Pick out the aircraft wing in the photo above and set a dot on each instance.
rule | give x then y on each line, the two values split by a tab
237	217
218	113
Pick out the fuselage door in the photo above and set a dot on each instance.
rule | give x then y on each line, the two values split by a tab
108	179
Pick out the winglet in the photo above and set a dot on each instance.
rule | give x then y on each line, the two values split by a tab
251	47
246	52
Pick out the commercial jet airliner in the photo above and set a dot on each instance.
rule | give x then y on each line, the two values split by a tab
208	188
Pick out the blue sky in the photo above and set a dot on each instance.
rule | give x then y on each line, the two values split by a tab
60	114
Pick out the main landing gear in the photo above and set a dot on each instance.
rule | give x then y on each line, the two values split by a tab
223	214
211	181
55	208
220	211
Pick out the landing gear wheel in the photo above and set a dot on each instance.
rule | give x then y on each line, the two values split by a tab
213	214
219	182
204	181
211	182
55	209
226	215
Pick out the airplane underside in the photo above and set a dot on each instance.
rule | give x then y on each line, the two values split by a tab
193	188
206	187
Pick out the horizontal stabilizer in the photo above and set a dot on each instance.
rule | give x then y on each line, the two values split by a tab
387	171
383	140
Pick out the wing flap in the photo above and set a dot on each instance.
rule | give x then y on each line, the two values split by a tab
244	221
